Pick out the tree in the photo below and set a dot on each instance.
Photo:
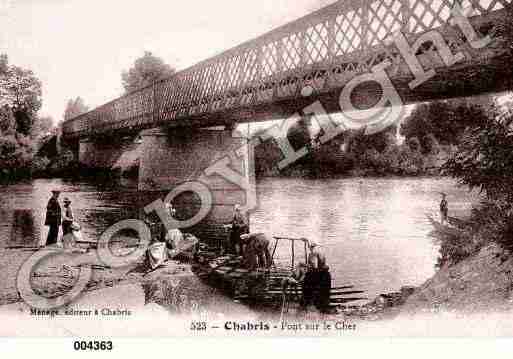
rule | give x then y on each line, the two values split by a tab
4	64
75	108
21	92
146	70
42	126
359	142
7	121
503	31
485	161
20	100
445	121
431	145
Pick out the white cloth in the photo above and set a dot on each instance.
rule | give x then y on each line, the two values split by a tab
173	239
157	254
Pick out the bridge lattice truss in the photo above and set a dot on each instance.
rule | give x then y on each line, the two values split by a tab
323	50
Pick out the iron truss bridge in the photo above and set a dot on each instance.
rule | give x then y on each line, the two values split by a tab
263	78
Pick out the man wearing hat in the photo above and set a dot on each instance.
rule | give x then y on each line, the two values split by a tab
239	227
53	218
317	282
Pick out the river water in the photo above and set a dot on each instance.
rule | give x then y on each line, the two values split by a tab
373	231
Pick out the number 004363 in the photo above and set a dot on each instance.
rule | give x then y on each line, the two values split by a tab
92	345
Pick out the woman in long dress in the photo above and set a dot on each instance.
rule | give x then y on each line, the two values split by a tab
68	238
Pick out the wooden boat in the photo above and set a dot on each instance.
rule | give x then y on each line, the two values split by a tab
264	286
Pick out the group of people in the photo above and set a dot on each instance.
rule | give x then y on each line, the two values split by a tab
56	218
168	244
252	247
313	277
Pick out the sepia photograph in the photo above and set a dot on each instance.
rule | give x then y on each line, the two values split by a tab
272	168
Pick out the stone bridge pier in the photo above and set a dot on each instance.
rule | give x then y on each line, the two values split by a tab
106	152
219	158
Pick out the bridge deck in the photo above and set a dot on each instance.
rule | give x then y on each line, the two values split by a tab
263	78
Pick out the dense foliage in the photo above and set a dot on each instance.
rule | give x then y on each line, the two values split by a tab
419	146
75	108
20	126
485	161
146	70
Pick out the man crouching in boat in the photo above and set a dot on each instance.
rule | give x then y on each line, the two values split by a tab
317	282
256	251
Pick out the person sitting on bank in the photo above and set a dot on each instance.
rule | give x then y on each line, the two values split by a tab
239	227
317	282
256	252
173	239
163	248
53	218
444	209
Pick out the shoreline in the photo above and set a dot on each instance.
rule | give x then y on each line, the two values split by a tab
436	292
463	288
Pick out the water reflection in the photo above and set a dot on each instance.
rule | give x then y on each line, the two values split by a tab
374	231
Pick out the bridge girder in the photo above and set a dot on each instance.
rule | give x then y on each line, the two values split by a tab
263	78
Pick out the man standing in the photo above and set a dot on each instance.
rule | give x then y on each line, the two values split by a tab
239	227
53	218
317	282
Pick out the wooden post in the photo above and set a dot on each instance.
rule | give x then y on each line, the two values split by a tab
154	106
292	241
274	250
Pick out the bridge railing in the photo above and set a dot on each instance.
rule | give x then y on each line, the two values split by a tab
330	45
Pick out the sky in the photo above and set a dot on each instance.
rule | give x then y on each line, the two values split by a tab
80	47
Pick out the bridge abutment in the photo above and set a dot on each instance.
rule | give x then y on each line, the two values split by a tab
170	158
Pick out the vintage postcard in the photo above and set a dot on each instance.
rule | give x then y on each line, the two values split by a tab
294	168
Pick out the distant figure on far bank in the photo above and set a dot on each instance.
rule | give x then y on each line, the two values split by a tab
444	209
53	218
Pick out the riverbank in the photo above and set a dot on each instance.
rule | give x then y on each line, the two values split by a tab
479	284
57	274
373	254
173	286
475	275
